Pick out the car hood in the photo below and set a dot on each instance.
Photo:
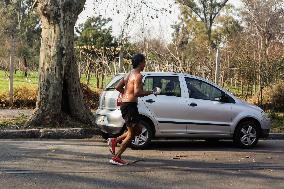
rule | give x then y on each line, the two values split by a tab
244	103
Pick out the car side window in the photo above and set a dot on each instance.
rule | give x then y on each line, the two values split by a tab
170	85
148	84
201	90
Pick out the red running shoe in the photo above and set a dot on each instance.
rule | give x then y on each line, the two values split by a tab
117	161
112	144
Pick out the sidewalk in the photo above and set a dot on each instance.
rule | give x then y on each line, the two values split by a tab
68	133
62	133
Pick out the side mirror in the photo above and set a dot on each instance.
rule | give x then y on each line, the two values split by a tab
224	97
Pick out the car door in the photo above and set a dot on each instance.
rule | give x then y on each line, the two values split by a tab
206	113
169	107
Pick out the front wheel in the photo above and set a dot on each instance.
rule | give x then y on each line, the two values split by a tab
246	134
143	137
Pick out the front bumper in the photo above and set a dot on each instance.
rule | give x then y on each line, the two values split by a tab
109	121
265	126
264	133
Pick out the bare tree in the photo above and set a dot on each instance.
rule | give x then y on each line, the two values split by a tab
266	17
206	11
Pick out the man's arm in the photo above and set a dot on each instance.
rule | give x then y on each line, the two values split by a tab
138	87
120	86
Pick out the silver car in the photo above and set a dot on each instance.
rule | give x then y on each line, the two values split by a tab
187	107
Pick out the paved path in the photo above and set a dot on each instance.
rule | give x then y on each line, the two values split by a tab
176	164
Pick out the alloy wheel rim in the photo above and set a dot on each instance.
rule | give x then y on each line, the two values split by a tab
248	136
142	138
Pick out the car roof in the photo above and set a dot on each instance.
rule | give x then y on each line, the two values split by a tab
160	73
167	74
185	75
154	73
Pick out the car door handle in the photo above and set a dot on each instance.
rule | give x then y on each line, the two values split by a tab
193	104
150	100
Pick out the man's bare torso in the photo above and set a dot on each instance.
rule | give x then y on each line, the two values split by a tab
130	83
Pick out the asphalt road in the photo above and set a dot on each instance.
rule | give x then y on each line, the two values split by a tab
177	164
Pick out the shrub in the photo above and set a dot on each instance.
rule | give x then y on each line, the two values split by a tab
25	97
4	100
273	97
91	97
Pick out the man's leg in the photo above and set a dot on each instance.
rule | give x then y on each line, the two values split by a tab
112	142
121	137
130	135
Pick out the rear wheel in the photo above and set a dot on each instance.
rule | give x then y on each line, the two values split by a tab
144	136
246	134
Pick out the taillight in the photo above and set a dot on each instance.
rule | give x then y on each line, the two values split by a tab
119	100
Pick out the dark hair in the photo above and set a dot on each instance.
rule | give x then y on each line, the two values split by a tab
137	59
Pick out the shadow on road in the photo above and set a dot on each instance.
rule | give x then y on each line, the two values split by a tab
67	163
201	145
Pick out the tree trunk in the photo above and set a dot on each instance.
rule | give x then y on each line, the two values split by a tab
88	72
11	76
217	66
25	67
103	78
98	80
60	99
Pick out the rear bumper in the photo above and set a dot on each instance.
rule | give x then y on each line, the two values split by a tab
109	121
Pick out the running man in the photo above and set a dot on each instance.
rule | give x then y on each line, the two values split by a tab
131	88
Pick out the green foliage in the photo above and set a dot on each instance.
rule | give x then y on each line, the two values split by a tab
95	32
206	12
277	121
19	21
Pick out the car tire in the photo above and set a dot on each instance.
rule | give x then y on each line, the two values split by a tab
142	140
246	134
104	135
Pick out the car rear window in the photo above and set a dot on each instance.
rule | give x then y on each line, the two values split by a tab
170	85
113	83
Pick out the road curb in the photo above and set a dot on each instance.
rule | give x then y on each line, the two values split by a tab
69	133
276	136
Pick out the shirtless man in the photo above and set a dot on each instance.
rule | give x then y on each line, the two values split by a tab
131	88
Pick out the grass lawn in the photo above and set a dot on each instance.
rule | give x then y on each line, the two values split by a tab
19	80
32	80
277	121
